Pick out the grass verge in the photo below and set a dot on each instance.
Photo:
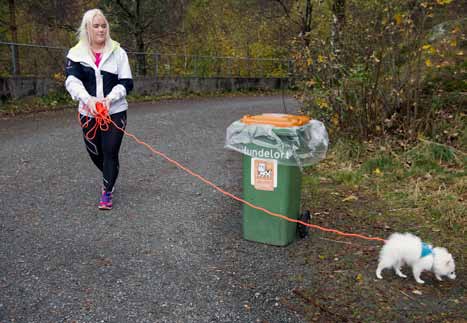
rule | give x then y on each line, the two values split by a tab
376	189
61	100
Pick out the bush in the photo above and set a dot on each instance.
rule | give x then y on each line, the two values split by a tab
389	67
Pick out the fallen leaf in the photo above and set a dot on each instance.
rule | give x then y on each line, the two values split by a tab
456	30
310	83
417	292
398	18
350	198
426	47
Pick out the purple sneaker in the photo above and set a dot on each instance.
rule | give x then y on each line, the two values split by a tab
105	202
113	189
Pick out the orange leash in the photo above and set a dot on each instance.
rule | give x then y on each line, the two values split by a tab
103	121
102	118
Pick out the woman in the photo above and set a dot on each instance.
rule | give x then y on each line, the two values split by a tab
97	70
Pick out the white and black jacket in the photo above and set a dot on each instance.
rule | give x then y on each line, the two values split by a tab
112	79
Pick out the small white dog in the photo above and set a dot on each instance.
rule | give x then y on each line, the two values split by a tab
401	249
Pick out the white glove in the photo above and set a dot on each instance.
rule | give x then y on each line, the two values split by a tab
91	105
107	103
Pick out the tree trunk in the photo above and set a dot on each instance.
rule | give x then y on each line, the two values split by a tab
140	45
14	37
306	27
338	20
305	19
141	57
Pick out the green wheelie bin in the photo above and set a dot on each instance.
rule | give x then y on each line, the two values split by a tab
275	149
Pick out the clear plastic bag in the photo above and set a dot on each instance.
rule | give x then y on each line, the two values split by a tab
295	146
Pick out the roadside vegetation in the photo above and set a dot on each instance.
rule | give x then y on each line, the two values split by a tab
388	80
61	100
376	188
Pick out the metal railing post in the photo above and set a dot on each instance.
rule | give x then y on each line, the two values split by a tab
156	65
170	66
13	60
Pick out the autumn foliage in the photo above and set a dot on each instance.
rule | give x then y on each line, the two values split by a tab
395	67
367	68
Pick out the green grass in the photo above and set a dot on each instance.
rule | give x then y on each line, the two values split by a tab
347	177
419	189
425	183
53	101
381	161
62	100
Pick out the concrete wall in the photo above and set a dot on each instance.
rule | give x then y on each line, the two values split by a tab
166	85
17	87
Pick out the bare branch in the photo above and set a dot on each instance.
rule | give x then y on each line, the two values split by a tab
125	9
66	27
147	24
160	37
287	12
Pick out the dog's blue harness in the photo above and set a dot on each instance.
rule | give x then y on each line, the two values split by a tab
426	250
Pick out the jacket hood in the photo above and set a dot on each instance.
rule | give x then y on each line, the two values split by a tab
80	51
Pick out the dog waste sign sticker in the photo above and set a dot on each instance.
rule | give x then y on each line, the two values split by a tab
264	174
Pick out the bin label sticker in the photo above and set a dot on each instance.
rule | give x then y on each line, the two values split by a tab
264	174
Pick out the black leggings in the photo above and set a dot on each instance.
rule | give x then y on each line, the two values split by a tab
104	147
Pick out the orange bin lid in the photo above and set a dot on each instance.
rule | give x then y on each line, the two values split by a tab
276	120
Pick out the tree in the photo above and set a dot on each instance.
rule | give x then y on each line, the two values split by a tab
4	20
64	15
144	23
14	36
303	18
379	67
238	28
338	20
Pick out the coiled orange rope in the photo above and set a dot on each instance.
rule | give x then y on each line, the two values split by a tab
102	119
103	122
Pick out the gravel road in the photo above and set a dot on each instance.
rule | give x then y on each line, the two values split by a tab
171	250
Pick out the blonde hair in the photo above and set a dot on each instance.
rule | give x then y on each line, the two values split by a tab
83	31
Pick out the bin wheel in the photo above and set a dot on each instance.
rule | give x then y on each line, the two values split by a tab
303	229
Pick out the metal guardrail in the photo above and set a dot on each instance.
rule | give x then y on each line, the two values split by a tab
18	59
